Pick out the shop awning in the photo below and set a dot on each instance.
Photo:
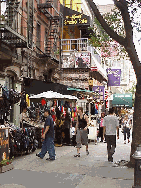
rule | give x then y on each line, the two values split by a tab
81	90
122	100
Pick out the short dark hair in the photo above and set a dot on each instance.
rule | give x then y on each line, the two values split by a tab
111	110
47	110
80	108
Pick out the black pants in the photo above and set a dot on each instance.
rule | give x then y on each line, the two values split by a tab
66	139
126	131
58	135
111	145
101	133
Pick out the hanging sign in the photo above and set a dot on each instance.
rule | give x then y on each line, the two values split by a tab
114	77
99	92
77	19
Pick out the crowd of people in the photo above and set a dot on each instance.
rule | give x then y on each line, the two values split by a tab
108	127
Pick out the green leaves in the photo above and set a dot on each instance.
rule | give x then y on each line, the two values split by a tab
99	38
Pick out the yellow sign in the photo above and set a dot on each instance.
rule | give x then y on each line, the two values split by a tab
75	19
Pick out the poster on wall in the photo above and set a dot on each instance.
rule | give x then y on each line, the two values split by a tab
99	92
83	60
77	60
4	144
114	77
69	61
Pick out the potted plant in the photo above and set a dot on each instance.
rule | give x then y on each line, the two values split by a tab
6	165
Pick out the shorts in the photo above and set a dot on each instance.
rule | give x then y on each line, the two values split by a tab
81	137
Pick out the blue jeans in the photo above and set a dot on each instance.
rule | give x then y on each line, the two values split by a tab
48	145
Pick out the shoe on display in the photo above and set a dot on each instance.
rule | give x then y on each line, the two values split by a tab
78	155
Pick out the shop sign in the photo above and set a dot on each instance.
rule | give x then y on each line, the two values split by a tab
114	77
77	60
99	90
75	19
4	144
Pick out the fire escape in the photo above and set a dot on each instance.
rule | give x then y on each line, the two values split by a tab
9	25
52	44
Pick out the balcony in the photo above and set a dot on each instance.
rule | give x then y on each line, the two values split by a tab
71	48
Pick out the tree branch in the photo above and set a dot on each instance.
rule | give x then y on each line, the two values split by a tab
122	6
109	31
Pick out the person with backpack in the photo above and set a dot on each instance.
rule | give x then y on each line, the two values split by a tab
81	131
48	136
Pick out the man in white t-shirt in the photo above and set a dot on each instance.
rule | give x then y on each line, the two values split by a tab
110	125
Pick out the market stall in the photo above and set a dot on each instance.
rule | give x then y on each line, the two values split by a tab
63	110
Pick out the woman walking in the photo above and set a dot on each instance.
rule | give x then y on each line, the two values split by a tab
126	128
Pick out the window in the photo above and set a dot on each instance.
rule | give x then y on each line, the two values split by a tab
38	35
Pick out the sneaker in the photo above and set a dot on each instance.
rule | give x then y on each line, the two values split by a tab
78	155
87	152
37	154
50	159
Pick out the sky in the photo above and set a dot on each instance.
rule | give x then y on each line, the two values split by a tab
103	2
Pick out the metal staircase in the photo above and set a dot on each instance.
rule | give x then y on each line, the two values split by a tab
9	26
52	44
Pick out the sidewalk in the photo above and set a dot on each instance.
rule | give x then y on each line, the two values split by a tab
92	171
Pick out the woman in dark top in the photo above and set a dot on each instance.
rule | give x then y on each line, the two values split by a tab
81	129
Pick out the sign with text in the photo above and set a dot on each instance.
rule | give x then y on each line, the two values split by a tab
122	100
76	19
4	144
114	77
99	92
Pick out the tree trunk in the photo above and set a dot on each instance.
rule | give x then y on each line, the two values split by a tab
136	134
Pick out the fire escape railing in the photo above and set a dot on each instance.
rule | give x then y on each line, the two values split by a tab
10	26
52	44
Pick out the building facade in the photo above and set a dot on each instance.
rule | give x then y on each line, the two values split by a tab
29	43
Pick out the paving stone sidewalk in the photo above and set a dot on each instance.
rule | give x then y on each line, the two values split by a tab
68	172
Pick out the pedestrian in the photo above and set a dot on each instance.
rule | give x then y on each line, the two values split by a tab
126	128
48	136
66	126
101	127
111	124
81	131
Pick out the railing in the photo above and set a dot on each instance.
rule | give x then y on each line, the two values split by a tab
80	45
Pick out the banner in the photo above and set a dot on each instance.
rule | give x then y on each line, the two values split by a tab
114	77
77	60
99	92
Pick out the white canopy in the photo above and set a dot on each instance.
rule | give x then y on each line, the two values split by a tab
53	95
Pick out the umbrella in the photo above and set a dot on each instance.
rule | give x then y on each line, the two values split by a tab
53	95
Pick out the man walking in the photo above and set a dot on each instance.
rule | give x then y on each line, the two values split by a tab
111	124
82	132
48	136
